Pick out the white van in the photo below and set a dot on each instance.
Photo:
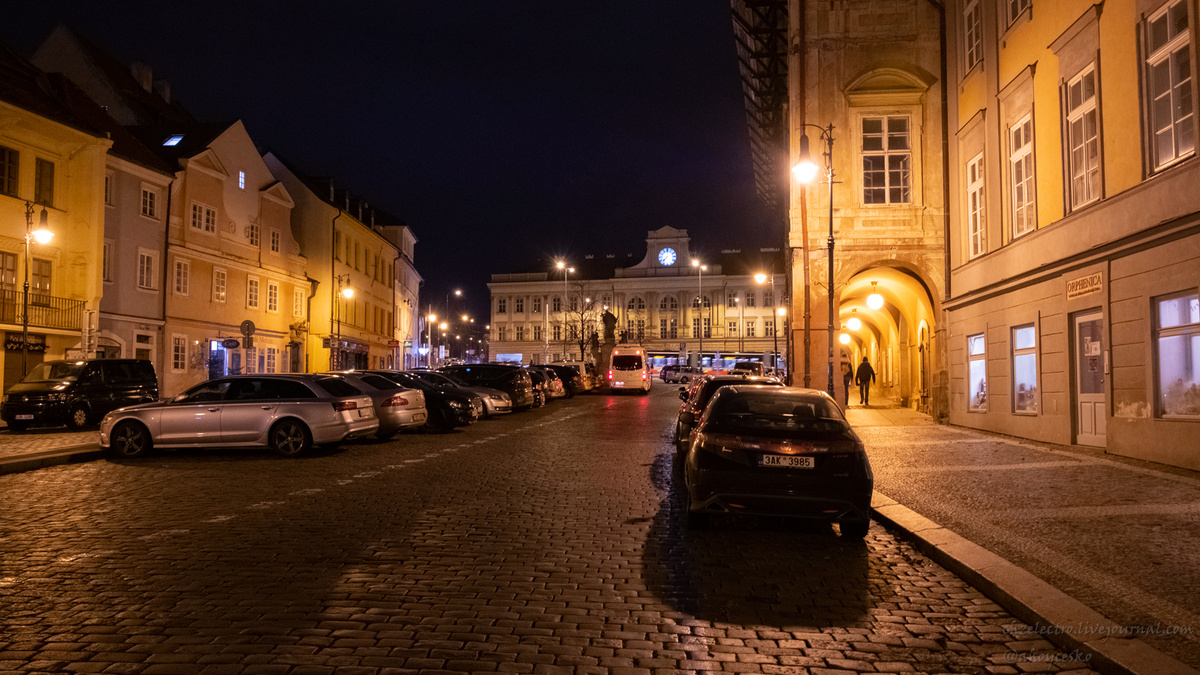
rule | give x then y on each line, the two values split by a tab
628	369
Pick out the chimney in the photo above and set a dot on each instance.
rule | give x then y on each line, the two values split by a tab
360	210
332	196
372	217
143	74
163	89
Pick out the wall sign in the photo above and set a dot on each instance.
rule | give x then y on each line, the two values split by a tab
1085	285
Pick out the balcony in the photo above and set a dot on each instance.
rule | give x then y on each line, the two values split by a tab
45	311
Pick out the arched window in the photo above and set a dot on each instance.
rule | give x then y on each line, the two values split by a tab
668	303
696	302
636	303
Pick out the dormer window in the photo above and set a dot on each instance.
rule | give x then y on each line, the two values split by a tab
242	180
172	141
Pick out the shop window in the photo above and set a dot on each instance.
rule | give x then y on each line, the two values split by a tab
1177	342
977	373
1025	371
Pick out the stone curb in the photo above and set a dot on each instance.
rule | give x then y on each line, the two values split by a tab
40	460
1030	599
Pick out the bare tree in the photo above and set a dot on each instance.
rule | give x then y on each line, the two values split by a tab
582	312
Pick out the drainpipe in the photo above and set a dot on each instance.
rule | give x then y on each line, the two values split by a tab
312	293
162	352
396	351
332	286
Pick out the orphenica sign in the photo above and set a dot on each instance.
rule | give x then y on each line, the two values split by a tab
1085	285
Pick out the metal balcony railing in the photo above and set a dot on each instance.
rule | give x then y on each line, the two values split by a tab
45	311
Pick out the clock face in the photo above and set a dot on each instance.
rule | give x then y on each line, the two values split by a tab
667	256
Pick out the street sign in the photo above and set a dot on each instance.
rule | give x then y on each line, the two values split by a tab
230	343
393	343
247	328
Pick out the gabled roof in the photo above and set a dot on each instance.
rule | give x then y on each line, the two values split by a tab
26	87
341	198
195	138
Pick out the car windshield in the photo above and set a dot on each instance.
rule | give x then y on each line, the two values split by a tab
769	413
627	362
55	371
713	385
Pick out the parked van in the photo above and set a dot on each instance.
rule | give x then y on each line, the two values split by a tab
77	393
629	370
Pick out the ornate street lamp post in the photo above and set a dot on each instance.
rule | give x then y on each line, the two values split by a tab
700	308
42	235
806	171
344	291
566	272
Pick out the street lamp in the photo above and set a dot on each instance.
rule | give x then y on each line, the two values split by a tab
762	279
42	235
429	340
344	291
806	172
562	265
442	329
700	308
742	319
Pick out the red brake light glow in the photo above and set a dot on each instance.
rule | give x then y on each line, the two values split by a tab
342	406
610	374
395	402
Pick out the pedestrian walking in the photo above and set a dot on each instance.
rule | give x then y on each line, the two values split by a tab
864	378
847	377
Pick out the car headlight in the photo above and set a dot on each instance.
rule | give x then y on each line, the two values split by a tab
457	404
5	399
501	398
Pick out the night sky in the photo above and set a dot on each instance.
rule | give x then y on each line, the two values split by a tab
502	132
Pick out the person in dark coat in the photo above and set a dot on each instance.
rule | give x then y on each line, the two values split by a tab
847	377
864	377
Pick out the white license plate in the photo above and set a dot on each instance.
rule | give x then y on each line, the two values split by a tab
365	412
24	417
419	417
786	461
618	384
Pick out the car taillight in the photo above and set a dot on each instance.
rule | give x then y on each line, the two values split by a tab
395	402
643	374
610	374
342	406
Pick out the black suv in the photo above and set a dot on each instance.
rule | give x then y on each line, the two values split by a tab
512	380
77	393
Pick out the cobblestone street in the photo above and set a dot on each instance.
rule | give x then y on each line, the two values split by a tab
543	542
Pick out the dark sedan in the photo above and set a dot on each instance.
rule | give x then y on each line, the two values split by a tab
447	407
777	451
696	397
512	380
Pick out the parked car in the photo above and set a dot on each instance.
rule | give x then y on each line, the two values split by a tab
771	450
77	393
287	413
585	371
695	398
448	407
495	402
554	383
679	374
541	388
397	407
573	382
512	380
629	370
748	367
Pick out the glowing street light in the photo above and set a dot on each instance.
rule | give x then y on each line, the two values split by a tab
874	300
42	235
806	172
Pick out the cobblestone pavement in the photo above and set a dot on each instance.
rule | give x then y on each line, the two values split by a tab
33	441
543	542
1118	534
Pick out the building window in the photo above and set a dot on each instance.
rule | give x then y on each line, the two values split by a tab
1169	84
556	304
769	327
183	277
887	160
751	325
768	298
147	278
668	304
219	284
732	327
1024	213
696	302
537	305
673	328
1083	139
272	296
636	303
1025	372
298	303
537	333
696	327
1014	9
337	245
519	305
9	165
557	332
149	202
242	180
252	293
574	304
972	35
1177	343
43	182
276	241
251	359
8	271
750	298
107	261
662	329
41	281
108	189
975	215
272	359
520	333
143	346
253	231
977	372
707	327
204	218
178	353
502	306
641	329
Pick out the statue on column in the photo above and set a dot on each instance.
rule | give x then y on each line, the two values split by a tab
610	326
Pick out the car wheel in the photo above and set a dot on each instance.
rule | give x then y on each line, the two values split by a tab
290	438
855	530
130	439
77	418
685	380
438	421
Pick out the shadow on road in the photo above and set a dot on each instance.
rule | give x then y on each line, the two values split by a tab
752	570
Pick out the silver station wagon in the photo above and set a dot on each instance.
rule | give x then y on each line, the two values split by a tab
287	413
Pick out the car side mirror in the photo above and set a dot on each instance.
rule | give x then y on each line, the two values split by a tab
687	418
683	393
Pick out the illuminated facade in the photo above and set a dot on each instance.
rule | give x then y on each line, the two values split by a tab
1075	241
551	315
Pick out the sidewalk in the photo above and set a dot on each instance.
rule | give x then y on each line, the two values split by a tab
37	448
1061	536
